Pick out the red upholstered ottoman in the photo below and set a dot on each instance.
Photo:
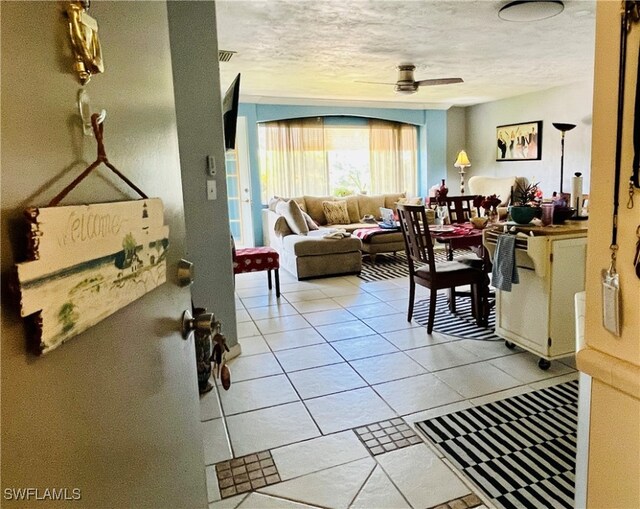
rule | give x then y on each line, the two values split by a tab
257	259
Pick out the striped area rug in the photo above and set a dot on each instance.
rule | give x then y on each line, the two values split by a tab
461	324
389	266
520	451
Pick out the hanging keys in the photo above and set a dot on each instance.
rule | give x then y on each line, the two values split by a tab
225	374
220	370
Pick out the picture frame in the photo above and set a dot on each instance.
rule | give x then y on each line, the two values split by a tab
519	142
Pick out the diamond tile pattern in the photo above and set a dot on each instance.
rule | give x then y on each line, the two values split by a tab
387	436
247	473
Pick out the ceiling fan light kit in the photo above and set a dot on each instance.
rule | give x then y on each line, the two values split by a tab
530	10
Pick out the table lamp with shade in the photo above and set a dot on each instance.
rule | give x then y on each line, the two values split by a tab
462	162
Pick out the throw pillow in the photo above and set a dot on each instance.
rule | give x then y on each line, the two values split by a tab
292	213
310	222
281	227
336	212
410	201
273	202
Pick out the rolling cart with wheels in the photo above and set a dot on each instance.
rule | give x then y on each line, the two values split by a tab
538	314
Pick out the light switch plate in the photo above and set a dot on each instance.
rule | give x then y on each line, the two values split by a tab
212	191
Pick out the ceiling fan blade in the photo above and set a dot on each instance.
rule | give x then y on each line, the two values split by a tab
374	82
439	81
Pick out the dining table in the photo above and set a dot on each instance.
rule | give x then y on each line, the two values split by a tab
466	236
458	236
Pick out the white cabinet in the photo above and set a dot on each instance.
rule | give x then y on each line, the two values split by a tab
538	314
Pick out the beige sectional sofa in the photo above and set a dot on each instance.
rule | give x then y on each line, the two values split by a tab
312	255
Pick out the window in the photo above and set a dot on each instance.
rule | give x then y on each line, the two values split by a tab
309	156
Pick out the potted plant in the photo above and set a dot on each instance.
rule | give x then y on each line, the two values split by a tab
525	202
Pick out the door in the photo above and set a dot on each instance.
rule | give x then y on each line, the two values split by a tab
113	413
239	188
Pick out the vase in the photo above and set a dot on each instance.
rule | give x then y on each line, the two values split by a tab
522	214
443	189
493	216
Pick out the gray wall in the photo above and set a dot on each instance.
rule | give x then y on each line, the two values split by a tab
456	141
112	411
194	50
570	104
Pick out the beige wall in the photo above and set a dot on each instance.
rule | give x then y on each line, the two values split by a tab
614	362
456	141
570	103
614	462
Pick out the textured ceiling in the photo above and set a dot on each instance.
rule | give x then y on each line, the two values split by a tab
312	52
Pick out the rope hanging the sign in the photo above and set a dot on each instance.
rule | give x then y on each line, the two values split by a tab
98	129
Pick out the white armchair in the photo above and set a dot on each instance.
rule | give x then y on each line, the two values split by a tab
501	187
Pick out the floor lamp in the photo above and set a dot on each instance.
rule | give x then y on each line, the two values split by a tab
462	162
563	128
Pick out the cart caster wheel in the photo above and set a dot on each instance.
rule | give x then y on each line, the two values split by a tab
509	345
544	364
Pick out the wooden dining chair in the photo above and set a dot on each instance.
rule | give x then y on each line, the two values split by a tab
460	208
433	275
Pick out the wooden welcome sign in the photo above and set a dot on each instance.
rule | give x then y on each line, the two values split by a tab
86	262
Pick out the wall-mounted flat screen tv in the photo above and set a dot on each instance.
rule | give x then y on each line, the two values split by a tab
230	113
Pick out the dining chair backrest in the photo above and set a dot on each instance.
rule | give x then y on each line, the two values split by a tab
460	208
415	231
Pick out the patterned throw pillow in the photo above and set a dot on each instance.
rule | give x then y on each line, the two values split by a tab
336	212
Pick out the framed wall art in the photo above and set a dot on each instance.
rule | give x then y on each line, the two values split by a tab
519	142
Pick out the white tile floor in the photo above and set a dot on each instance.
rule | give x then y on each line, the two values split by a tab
337	353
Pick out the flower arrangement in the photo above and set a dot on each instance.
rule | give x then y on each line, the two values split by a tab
488	203
526	195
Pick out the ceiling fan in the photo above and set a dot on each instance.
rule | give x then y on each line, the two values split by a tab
407	84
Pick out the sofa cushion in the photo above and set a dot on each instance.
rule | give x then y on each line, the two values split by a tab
370	205
300	201
314	207
292	213
353	209
336	212
315	244
390	200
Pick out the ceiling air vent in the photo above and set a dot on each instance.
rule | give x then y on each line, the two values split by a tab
224	55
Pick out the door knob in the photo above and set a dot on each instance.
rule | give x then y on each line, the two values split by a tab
203	323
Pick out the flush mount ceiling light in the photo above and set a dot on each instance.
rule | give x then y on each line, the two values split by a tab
530	10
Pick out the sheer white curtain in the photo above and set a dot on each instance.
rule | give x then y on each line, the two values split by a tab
393	157
293	161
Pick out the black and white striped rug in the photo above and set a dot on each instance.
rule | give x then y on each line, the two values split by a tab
390	266
520	451
462	324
